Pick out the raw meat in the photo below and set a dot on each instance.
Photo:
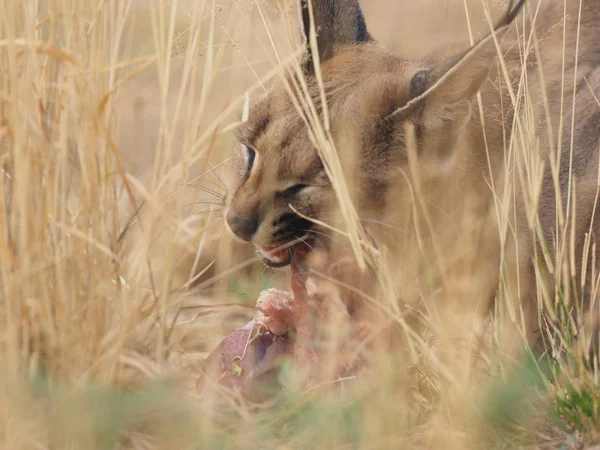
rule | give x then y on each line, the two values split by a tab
286	326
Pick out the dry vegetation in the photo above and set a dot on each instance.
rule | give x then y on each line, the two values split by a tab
116	278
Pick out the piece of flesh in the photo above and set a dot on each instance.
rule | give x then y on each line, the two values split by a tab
246	361
285	327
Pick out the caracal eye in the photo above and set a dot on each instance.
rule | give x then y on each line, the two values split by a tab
293	189
250	155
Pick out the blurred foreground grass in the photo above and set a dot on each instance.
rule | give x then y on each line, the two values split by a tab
116	278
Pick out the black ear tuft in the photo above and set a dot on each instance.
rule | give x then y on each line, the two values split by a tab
337	22
510	14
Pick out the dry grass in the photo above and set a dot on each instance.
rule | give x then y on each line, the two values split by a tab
116	278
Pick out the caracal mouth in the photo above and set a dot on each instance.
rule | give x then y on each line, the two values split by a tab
276	258
282	255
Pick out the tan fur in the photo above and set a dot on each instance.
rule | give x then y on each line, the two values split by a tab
436	213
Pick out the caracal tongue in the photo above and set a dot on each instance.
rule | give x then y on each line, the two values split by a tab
274	255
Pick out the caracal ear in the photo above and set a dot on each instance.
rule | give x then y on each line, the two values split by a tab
444	93
336	22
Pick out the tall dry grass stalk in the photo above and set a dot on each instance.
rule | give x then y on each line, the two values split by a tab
116	278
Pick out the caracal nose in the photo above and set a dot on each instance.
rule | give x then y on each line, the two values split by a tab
243	227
